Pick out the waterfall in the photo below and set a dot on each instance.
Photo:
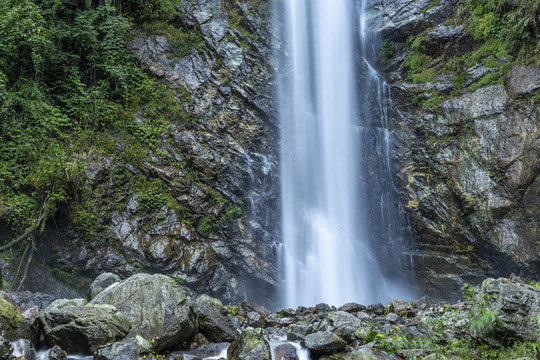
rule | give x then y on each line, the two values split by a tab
326	196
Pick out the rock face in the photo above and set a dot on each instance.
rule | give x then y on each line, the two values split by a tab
13	325
82	329
157	307
218	164
517	308
249	346
467	152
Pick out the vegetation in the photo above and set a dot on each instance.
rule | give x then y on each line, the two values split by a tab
505	32
70	87
434	337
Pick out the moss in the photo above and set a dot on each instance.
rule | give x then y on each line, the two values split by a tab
204	226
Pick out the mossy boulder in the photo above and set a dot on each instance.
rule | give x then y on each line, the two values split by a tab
13	325
83	329
249	346
157	307
213	320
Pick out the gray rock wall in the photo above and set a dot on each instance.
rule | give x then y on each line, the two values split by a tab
468	156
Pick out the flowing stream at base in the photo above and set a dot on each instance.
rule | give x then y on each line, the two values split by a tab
335	169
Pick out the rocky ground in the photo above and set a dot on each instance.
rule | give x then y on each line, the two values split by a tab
151	316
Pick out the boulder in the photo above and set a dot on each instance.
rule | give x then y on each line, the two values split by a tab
352	307
245	307
13	325
402	308
213	320
56	353
82	329
297	332
157	307
516	307
324	343
377	309
285	352
249	346
198	341
101	283
127	349
343	324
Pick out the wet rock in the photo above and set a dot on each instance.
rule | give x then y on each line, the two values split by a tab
101	283
249	346
157	307
128	349
56	353
352	307
212	350
198	341
343	324
285	352
324	343
13	325
213	320
82	329
517	307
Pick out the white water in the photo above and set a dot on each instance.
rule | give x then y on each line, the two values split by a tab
326	254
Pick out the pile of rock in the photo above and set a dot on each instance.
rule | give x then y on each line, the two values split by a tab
146	315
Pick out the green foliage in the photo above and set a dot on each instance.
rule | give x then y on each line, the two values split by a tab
23	209
153	9
181	40
235	210
233	310
69	86
507	26
387	51
204	226
152	197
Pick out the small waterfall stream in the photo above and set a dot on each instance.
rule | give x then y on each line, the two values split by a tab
337	196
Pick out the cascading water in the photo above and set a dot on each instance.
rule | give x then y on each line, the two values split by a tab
327	251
